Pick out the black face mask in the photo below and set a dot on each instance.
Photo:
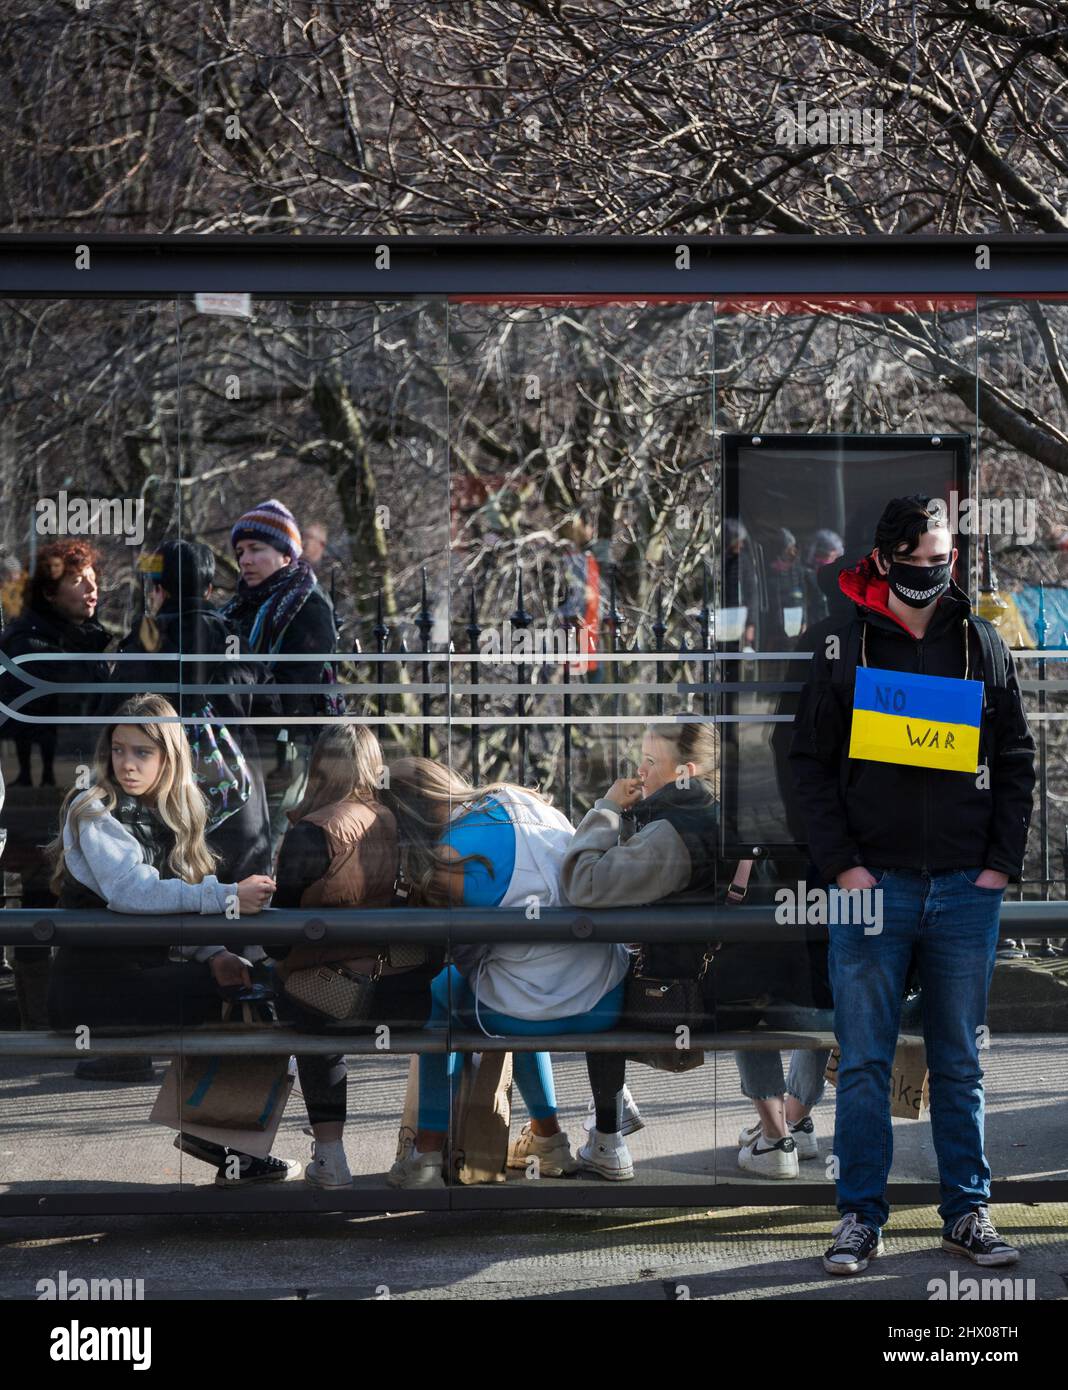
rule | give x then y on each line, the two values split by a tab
917	586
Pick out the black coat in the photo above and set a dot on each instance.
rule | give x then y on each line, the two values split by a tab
312	629
888	815
243	840
46	631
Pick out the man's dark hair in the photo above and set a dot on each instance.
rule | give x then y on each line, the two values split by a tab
188	568
904	521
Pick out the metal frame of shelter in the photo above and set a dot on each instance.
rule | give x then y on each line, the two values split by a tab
880	272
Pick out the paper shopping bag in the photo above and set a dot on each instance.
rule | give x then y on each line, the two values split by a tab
169	1110
481	1115
480	1135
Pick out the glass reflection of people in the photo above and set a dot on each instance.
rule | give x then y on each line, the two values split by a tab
671	852
280	608
57	616
180	618
581	606
500	846
341	851
133	842
786	601
741	585
825	547
315	538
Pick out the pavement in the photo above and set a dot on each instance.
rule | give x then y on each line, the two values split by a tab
60	1134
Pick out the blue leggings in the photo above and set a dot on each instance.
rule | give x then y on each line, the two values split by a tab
532	1071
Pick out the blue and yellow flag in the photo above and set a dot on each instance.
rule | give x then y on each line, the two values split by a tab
925	721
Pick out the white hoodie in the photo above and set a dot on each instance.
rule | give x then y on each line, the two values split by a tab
542	980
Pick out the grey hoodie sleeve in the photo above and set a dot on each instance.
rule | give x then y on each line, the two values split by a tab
107	858
599	871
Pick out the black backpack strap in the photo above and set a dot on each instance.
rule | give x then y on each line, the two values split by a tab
843	674
995	667
843	670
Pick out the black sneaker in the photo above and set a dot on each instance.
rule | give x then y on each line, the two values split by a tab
256	1170
204	1149
852	1245
974	1236
115	1069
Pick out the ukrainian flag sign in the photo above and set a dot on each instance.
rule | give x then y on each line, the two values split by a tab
925	721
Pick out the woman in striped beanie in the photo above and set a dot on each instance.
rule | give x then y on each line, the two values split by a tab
279	607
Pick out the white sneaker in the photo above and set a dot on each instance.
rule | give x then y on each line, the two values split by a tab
607	1155
554	1156
802	1134
417	1170
631	1119
328	1167
769	1158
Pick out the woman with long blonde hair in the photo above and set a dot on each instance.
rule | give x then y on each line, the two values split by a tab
133	841
499	845
341	851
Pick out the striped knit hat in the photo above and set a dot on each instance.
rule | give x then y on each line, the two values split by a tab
272	522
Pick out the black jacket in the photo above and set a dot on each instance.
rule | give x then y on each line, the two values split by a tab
693	812
46	631
887	815
312	630
243	840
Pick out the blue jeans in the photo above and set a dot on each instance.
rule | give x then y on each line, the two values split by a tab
761	1073
954	927
532	1071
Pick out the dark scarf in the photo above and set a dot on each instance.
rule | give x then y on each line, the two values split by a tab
267	609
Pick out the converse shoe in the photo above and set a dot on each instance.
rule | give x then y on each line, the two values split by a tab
606	1155
204	1149
252	1170
768	1158
973	1236
554	1156
328	1167
852	1245
631	1118
416	1170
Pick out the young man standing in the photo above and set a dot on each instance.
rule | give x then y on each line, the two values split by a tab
939	846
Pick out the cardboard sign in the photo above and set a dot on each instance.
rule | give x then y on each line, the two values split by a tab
923	721
909	1093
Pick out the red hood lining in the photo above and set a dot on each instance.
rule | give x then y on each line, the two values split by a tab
866	586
